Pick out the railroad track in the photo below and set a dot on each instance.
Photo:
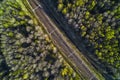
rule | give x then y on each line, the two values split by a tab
70	52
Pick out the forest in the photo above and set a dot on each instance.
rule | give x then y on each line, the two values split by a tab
98	24
26	51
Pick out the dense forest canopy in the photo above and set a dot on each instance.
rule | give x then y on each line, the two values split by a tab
26	51
98	23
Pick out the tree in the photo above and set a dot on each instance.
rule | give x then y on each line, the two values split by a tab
60	7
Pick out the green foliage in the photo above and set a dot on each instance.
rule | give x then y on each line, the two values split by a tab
25	76
67	71
64	11
79	3
26	52
98	24
110	34
60	7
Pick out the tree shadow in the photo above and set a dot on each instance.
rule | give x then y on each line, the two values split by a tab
88	51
